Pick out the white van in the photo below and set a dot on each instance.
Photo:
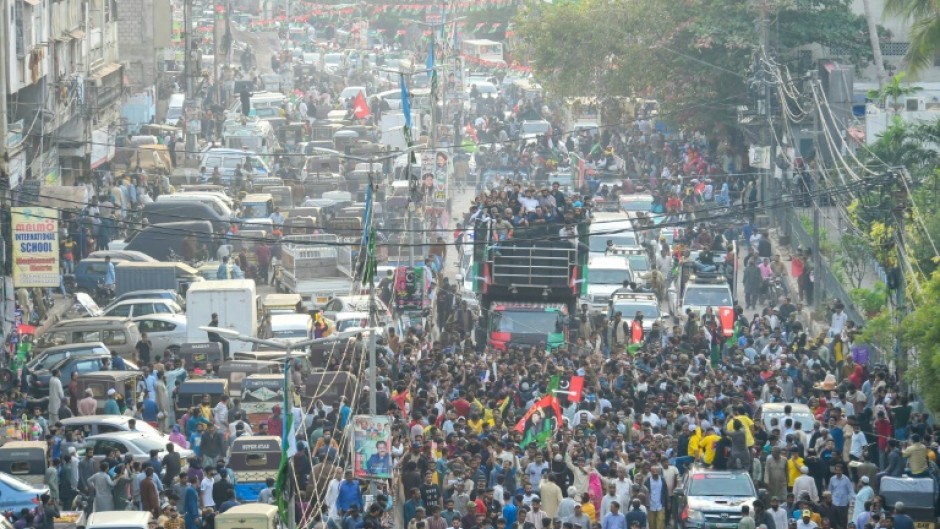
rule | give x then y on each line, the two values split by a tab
174	111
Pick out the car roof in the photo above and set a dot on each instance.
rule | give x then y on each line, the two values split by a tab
123	435
141	300
290	318
778	407
102	419
174	318
85	345
84	322
119	519
609	261
351	315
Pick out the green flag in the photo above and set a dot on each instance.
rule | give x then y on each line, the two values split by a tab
371	265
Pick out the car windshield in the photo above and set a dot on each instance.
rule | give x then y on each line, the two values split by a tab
607	276
721	485
708	297
526	321
535	127
343	325
638	263
629	310
599	240
805	419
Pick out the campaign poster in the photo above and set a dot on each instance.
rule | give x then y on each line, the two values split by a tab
372	457
35	247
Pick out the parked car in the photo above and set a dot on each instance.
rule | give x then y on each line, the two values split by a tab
357	303
101	424
54	355
118	334
171	295
38	380
130	308
165	331
137	444
16	494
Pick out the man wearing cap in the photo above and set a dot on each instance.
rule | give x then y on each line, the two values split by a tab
111	406
902	520
805	484
806	521
579	519
864	494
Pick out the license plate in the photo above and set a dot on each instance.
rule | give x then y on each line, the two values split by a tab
322	300
923	525
724	526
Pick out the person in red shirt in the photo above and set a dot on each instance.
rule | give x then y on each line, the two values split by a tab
461	406
883	431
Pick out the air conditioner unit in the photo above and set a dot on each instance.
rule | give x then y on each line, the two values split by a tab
914	104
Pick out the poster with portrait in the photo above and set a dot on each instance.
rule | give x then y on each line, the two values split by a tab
372	457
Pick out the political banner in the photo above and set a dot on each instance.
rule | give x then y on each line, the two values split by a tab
35	247
372	458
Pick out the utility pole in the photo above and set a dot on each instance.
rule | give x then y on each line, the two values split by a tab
373	406
188	69
764	24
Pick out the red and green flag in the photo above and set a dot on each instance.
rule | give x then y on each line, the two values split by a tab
540	421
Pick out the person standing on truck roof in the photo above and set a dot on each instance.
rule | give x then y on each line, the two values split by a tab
215	337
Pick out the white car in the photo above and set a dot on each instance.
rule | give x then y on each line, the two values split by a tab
346	321
166	331
351	92
131	308
137	444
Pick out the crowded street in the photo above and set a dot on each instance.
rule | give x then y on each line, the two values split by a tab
345	273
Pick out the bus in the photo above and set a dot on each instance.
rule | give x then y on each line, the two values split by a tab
483	51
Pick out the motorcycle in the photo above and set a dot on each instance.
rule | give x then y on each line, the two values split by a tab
103	294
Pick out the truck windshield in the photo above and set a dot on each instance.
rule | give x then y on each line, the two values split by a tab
629	310
527	321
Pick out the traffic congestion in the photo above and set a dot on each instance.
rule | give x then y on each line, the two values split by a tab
385	281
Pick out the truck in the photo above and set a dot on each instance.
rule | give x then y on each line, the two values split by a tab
529	285
234	300
131	276
316	272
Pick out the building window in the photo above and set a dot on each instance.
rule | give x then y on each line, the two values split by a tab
894	49
21	28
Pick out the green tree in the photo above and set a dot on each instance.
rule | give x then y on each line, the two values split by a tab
894	90
694	57
921	331
855	257
925	30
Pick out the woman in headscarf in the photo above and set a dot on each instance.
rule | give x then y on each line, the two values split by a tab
178	438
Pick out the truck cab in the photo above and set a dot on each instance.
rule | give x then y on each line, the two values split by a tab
528	285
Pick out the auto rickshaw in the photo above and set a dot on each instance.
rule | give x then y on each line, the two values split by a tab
236	371
191	393
260	394
125	383
917	494
200	354
25	460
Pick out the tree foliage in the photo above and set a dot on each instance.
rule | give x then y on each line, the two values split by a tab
921	330
694	56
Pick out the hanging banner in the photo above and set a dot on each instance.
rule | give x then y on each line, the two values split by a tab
35	247
371	437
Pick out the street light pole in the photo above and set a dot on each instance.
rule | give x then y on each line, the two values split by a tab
288	390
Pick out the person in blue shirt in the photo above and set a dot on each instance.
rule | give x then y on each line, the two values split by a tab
109	275
613	519
191	504
350	495
223	272
510	511
111	406
636	517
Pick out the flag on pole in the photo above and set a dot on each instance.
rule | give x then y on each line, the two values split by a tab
430	68
283	480
361	107
539	422
371	265
405	102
